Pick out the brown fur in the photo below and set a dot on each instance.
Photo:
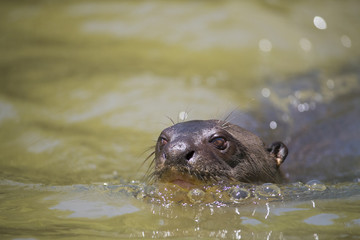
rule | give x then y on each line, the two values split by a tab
214	150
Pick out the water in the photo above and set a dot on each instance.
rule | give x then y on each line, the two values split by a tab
86	87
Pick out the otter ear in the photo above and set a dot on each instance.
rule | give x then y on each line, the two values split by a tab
279	151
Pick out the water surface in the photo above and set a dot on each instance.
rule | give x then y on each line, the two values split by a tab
86	87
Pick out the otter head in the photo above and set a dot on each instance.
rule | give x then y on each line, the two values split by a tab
201	151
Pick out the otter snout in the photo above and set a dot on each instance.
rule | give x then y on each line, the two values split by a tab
179	152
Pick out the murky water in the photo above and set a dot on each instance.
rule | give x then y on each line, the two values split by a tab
86	88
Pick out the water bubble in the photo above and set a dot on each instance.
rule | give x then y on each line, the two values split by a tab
297	185
268	190
346	41
315	185
303	107
237	194
265	45
196	195
183	115
305	44
300	108
265	92
320	23
273	125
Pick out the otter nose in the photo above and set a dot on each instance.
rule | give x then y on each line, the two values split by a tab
180	152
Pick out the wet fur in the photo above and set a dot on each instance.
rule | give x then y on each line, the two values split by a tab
252	161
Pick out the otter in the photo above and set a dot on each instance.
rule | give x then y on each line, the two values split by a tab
208	151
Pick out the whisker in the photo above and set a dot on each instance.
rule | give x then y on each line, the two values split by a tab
146	159
227	118
171	120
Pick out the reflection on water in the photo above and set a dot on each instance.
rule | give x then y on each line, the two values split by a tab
111	211
89	209
321	219
87	86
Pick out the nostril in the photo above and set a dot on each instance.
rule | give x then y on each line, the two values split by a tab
189	155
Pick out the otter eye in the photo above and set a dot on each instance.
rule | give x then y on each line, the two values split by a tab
162	141
219	143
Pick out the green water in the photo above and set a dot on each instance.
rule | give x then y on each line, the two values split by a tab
86	87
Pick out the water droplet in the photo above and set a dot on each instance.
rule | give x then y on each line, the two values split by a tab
312	105
306	106
150	191
320	23
196	195
265	92
318	97
305	44
293	100
346	41
273	125
140	195
285	117
330	84
301	107
297	94
183	115
265	45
